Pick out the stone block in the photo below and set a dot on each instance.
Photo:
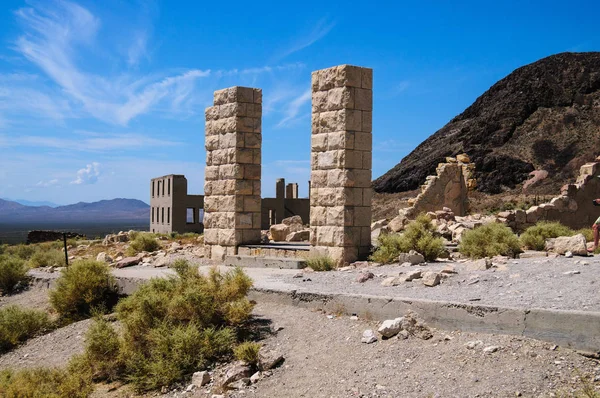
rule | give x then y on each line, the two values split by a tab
335	215
366	78
318	142
251	203
243	187
363	99
318	215
366	121
252	140
243	220
340	140
231	171
339	98
252	171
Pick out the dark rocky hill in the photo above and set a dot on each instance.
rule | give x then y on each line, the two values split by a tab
543	116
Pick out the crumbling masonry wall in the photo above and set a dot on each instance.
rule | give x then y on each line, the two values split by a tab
572	208
232	201
448	188
341	145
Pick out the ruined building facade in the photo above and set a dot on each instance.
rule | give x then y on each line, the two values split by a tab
172	209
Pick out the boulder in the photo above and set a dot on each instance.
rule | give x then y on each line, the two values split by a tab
279	232
376	233
368	337
298	236
413	275
269	359
200	379
390	327
294	223
575	244
104	258
128	262
411	257
364	276
431	278
237	371
398	223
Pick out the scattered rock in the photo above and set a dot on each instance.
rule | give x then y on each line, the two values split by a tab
236	371
240	384
569	254
368	337
413	275
269	359
279	232
103	258
390	327
572	272
298	236
479	265
533	254
161	260
403	335
128	262
200	379
411	257
391	281
575	244
364	276
449	269
255	378
473	344
431	279
490	349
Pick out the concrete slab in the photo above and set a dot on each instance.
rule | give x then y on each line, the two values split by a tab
281	246
265	262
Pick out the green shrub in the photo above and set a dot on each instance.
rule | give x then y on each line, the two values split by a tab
320	263
489	240
47	258
13	273
81	288
143	243
24	252
247	352
534	238
102	350
173	327
46	383
418	235
587	232
17	325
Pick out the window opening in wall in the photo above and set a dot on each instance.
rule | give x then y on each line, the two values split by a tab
272	217
158	188
168	215
152	211
152	188
189	215
162	210
169	187
163	188
200	216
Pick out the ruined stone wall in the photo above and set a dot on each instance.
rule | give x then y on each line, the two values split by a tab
341	144
572	208
448	188
232	202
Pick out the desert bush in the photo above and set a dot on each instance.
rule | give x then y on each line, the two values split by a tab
172	327
247	352
24	252
102	350
418	235
143	243
46	383
47	258
85	286
534	237
13	273
489	240
18	324
320	263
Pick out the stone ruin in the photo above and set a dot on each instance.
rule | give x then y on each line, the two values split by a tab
572	208
340	199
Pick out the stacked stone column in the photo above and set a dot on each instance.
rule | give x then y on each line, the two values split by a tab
232	200
341	145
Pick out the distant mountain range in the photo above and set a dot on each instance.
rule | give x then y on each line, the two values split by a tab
31	203
82	212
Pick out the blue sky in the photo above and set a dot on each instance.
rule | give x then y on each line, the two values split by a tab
97	97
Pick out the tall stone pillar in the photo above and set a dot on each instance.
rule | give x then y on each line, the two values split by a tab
232	202
340	195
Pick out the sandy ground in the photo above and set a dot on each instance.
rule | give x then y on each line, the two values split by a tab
325	358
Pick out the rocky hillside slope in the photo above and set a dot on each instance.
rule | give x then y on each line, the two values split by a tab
543	116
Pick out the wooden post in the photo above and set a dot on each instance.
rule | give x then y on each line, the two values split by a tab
66	254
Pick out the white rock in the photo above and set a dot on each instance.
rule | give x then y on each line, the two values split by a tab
572	272
472	344
562	245
411	257
200	379
413	275
491	348
569	254
390	327
368	336
255	378
431	279
103	258
391	281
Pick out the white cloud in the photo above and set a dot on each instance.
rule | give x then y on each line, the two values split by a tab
46	184
137	50
293	108
52	39
320	30
89	175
